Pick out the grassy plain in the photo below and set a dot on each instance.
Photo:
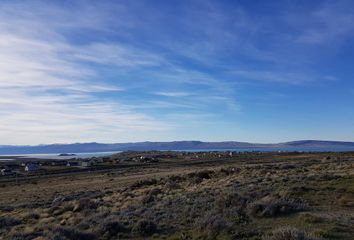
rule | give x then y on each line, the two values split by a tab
188	196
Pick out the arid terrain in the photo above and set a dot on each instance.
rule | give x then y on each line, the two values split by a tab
177	195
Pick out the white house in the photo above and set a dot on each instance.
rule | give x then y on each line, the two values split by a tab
88	163
72	164
6	171
31	167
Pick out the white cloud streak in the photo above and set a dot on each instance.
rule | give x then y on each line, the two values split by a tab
173	94
52	57
47	89
332	22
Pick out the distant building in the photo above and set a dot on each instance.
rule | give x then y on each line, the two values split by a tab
88	163
58	163
147	159
103	159
31	167
72	164
6	171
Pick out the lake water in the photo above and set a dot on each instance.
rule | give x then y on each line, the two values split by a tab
102	154
57	157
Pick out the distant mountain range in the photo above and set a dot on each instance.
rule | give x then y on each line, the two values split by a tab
176	145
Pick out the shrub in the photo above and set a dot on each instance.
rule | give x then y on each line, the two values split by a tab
309	218
31	216
288	233
175	178
150	196
231	199
71	233
58	201
272	207
85	204
229	170
346	201
142	183
197	177
212	225
155	191
202	174
111	228
6	208
25	236
6	222
60	209
145	228
171	185
92	220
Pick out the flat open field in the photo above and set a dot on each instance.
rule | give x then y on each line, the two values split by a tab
275	196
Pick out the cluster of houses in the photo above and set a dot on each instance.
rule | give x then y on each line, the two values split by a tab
144	159
148	157
83	163
28	167
34	167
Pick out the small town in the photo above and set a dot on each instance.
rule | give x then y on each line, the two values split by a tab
22	166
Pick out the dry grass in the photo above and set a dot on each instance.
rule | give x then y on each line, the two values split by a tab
255	196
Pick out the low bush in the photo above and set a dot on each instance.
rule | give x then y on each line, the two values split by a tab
288	233
230	199
142	183
171	185
176	178
85	204
71	233
346	201
309	218
198	177
25	236
145	228
229	171
273	207
58	201
6	222
211	225
111	228
31	216
6	208
151	195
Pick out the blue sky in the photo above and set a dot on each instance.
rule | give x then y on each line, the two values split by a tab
119	71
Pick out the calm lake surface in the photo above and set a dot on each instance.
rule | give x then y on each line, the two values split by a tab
56	155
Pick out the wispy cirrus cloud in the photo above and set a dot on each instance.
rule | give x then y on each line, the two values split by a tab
173	94
49	86
119	55
48	89
124	71
331	22
275	76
